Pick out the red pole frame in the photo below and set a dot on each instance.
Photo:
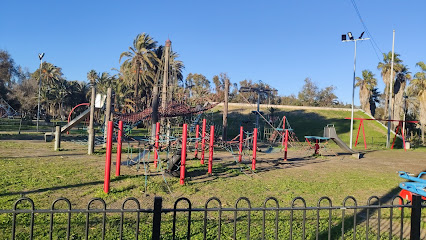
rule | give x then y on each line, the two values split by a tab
108	157
361	124
210	166
203	140
197	135
253	160
286	145
157	139
183	154
240	153
283	131
119	143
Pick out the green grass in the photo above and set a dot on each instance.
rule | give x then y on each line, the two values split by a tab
29	167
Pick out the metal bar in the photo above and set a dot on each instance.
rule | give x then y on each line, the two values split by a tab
156	219
416	217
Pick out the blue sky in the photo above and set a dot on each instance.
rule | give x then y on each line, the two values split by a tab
278	42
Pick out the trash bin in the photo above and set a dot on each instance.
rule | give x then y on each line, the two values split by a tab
407	145
48	137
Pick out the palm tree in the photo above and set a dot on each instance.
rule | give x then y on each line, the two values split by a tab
418	88
141	59
385	68
374	98
366	85
402	77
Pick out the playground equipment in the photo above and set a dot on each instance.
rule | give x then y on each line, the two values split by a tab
399	129
330	132
418	186
77	119
6	110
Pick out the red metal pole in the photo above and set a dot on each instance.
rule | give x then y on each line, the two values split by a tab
286	145
240	153
118	160
283	130
157	138
197	135
203	140
183	154
210	167
108	158
253	160
359	127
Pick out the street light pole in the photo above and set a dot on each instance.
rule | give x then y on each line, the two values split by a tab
40	56
351	39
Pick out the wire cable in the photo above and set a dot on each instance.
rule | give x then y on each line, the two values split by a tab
373	42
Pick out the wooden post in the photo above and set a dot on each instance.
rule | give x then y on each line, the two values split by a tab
107	114
57	138
91	140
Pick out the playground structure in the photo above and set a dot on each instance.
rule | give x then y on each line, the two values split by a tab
6	110
399	129
176	163
416	187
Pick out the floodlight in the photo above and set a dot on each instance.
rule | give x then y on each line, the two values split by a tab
350	36
361	35
343	37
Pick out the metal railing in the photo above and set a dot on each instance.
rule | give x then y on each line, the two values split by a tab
214	221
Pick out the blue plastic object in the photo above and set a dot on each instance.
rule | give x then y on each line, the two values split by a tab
418	185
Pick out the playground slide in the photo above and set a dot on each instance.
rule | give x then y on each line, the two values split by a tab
75	121
330	132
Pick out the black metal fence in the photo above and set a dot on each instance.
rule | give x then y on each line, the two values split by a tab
396	220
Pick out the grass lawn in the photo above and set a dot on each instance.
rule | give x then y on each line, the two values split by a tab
29	167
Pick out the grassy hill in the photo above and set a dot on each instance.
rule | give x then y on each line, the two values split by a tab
309	121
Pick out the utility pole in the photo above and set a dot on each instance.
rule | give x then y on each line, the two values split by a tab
40	56
390	92
351	39
225	111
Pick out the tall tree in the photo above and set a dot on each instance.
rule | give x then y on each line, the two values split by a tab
402	77
385	67
418	88
7	72
308	93
366	85
141	59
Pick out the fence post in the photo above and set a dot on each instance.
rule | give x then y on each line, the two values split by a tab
416	217
156	219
